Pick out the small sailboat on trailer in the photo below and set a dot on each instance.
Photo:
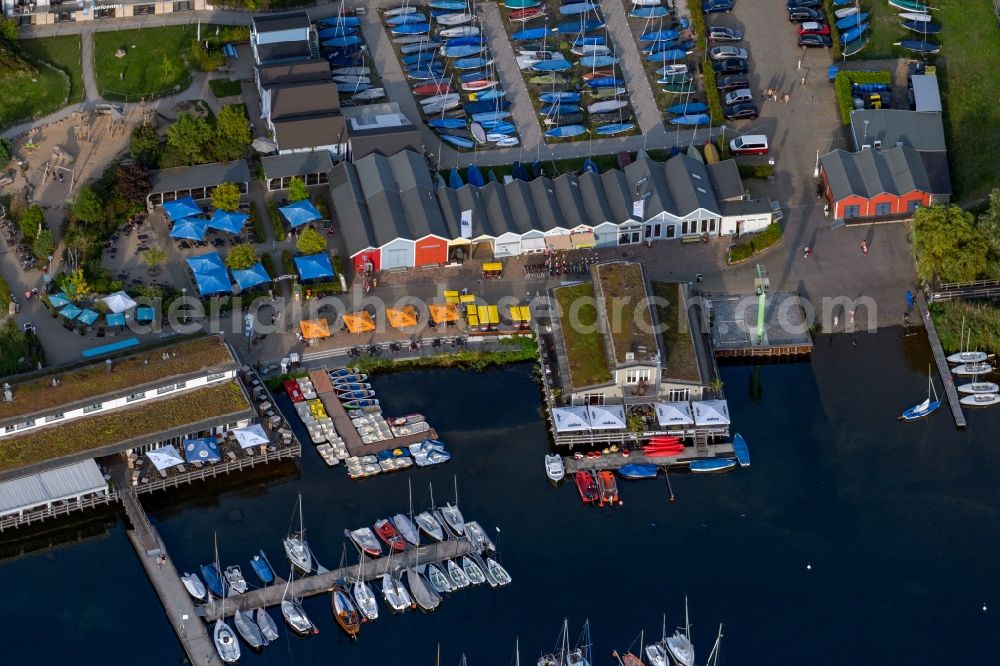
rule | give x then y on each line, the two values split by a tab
925	408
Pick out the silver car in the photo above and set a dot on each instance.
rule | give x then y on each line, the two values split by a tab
727	52
739	96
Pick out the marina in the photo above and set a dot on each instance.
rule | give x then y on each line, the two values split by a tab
941	362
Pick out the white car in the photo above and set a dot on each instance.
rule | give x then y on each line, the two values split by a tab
727	52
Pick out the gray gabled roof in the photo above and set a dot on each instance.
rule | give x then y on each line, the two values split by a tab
494	199
546	204
618	194
296	72
647	181
690	185
595	200
296	164
726	181
386	210
522	206
348	201
482	225
200	175
283	21
309	98
871	172
920	130
416	190
570	199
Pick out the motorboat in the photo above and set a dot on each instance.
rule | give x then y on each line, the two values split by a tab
248	629
980	400
438	580
347	379
711	465
296	547
423	593
296	618
406	529
458	577
225	642
388	534
262	568
554	468
365	599
353	386
266	624
638	471
194	586
235	579
967	369
608	487
475	533
586	486
497	571
213	579
364	540
344	611
741	450
395	593
979	387
472	571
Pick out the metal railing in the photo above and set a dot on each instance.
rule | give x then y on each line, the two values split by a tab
294	450
44	513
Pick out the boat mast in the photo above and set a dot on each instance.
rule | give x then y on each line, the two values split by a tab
564	649
455	478
432	495
663	639
410	485
687	621
517	651
713	656
218	570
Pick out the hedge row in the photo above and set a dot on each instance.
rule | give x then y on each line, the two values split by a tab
844	83
276	224
257	224
708	74
5	298
755	170
831	19
758	243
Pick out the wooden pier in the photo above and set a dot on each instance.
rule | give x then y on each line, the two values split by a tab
324	582
941	361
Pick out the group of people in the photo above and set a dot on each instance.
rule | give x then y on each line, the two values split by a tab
772	94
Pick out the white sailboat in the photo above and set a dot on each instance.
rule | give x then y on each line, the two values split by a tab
404	524
222	634
428	524
293	612
453	516
657	652
296	548
679	645
363	594
713	656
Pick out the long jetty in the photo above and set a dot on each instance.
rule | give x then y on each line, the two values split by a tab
324	582
941	361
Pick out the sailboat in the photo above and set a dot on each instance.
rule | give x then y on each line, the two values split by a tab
293	612
428	524
394	591
423	593
458	577
404	523
679	645
580	656
558	657
296	548
968	355
498	572
248	629
657	652
363	594
925	408
268	629
473	571
222	634
452	515
344	611
194	586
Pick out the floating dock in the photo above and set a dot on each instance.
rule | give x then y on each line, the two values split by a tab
750	325
947	380
615	461
324	582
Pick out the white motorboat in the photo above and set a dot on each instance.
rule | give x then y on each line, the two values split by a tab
266	624
679	645
980	400
968	369
234	577
475	533
472	570
979	387
296	617
457	576
968	357
499	573
555	469
194	586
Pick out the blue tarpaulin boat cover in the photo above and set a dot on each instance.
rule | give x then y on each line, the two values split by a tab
314	266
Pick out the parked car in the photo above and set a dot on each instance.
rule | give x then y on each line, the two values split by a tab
814	28
718	33
801	14
814	41
738	97
792	4
737	111
717	6
731	66
733	82
749	144
726	52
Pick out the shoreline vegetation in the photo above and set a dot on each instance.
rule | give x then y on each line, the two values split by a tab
981	319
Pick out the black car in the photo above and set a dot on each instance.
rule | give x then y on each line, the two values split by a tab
732	82
800	14
718	33
741	110
792	4
717	6
731	66
815	41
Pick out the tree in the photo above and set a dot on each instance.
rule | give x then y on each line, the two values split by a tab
132	181
297	189
44	244
145	145
226	196
87	206
6	151
78	287
8	30
988	224
241	257
31	221
232	133
153	258
948	244
189	136
310	241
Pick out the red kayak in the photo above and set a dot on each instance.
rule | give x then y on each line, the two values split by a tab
588	487
526	14
664	440
432	89
388	534
292	390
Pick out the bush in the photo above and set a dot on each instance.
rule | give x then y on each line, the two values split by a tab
6	151
845	81
225	87
204	61
277	224
740	252
323	288
226	196
297	189
758	243
268	264
288	263
755	170
831	20
241	257
310	241
256	223
5	297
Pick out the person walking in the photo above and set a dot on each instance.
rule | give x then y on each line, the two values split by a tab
787	96
864	247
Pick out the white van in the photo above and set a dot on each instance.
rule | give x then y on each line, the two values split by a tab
749	144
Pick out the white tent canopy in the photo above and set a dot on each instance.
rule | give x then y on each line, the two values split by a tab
606	417
165	457
52	485
673	414
711	413
119	302
250	436
570	419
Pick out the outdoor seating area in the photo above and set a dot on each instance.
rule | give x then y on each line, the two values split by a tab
212	278
190	224
116	310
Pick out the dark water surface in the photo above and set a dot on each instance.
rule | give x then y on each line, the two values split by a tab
899	523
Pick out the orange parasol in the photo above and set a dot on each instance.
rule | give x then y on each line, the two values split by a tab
402	317
313	329
442	314
359	322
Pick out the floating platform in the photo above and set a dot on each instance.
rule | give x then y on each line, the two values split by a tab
615	461
741	328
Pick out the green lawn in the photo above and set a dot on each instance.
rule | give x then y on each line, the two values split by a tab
967	72
28	90
585	348
157	64
64	53
225	87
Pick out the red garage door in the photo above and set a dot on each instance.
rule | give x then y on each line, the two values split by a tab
430	252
